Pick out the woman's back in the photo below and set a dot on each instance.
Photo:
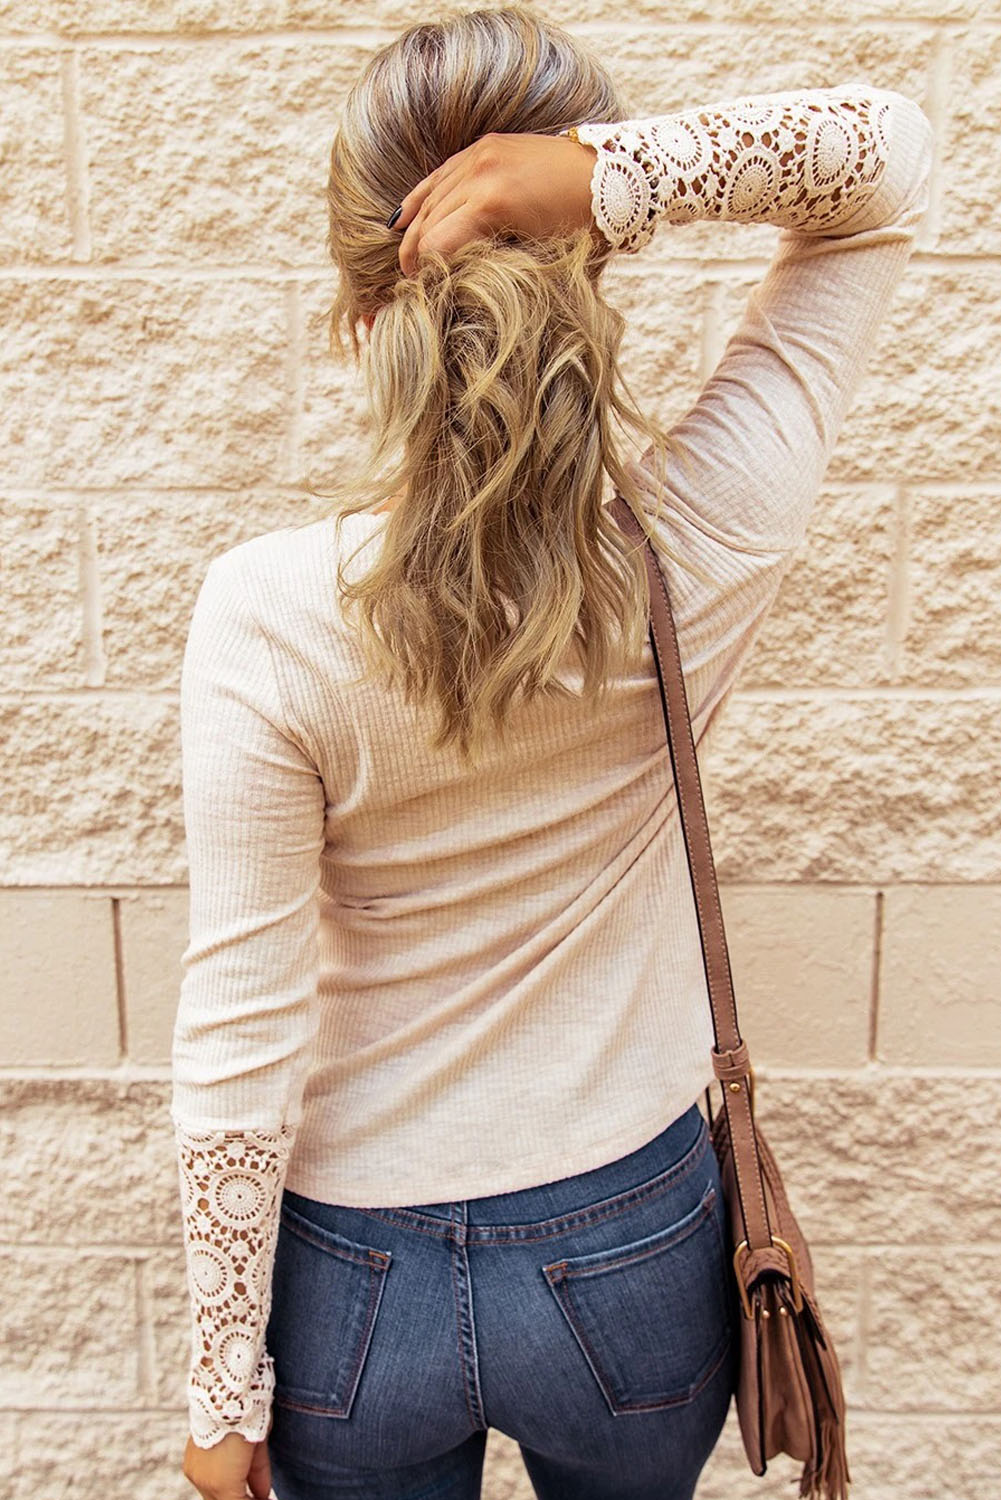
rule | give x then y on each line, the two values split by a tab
444	982
494	943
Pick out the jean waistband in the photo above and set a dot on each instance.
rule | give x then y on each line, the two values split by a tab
504	1214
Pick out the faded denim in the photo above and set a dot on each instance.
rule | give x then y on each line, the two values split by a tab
593	1319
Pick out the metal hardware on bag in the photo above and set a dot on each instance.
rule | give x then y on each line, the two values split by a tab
797	1293
742	1289
735	1087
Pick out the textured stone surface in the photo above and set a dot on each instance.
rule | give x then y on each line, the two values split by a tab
970	188
60	998
928	1341
68	1328
829	624
802	966
119	380
334	428
504	1476
196	17
41	614
879	1158
839	1286
99	1455
206	17
822	789
889	1456
34	210
939	998
168	1310
153	551
928	406
87	1162
95	825
953	586
213	154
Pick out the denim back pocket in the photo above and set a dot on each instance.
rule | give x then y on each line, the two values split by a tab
652	1317
326	1292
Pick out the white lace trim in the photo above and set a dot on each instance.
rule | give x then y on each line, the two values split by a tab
231	1188
798	160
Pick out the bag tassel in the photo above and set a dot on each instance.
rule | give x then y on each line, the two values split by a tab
827	1478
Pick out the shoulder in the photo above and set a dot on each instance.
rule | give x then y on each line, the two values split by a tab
272	554
278	572
284	582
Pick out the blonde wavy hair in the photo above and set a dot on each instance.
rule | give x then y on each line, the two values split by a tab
492	379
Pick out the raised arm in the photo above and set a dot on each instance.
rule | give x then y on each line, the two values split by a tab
808	159
843	173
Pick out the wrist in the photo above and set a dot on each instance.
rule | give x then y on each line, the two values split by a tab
599	238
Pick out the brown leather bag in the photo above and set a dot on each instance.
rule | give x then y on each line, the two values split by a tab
789	1393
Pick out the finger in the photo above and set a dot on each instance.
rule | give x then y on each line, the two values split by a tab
427	199
419	197
449	235
450	225
421	219
259	1474
429	184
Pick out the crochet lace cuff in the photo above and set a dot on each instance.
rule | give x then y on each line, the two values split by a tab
231	1188
803	160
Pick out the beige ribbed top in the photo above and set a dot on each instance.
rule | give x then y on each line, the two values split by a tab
408	982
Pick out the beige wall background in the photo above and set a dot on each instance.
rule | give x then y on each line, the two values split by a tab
167	392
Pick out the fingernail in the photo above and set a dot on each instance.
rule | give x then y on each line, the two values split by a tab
393	217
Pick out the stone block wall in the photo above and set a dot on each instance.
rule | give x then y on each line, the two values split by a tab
166	392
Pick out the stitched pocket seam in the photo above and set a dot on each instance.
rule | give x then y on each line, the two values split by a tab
376	1263
560	1274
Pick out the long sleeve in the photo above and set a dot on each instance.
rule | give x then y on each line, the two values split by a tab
810	160
843	173
254	811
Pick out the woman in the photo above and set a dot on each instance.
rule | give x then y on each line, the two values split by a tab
443	1025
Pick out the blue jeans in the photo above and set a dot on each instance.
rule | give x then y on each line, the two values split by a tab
593	1319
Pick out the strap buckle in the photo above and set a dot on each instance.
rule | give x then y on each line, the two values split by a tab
797	1290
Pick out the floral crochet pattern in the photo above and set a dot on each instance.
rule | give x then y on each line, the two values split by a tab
797	160
231	1187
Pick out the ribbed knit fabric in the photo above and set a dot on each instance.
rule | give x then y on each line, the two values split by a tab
407	982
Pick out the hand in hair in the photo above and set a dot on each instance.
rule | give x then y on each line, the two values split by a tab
528	185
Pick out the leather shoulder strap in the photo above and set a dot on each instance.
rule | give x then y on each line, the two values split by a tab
731	1060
